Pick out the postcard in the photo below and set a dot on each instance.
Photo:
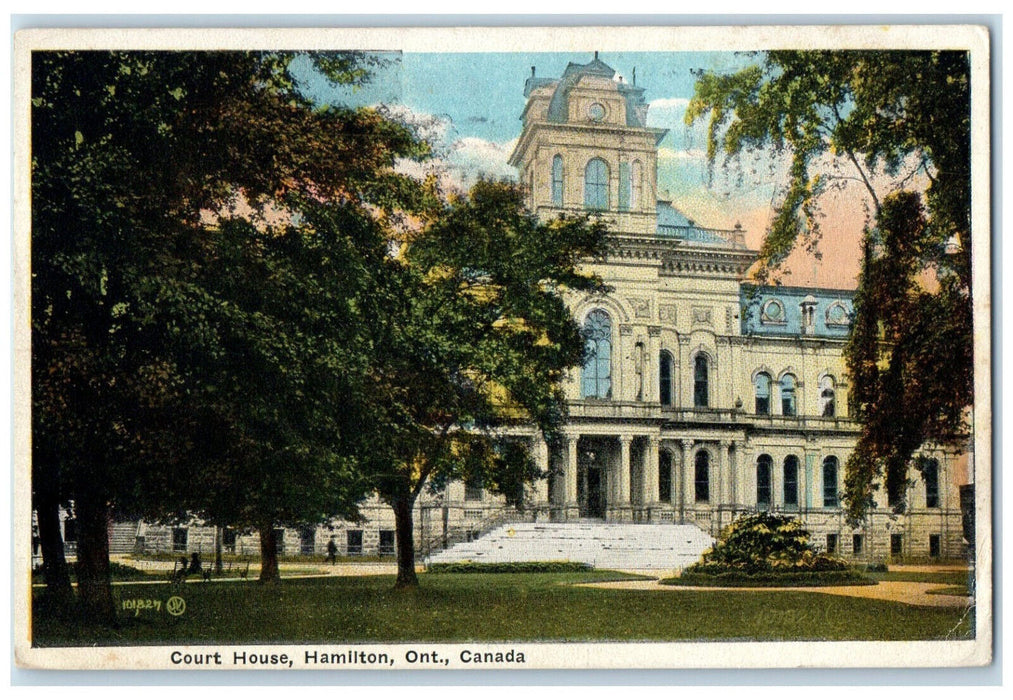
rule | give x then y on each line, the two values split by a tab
503	348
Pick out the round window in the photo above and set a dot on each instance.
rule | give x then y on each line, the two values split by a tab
596	112
773	312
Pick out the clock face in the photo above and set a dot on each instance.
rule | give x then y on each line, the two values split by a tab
596	112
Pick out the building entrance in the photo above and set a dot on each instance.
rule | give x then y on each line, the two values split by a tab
592	481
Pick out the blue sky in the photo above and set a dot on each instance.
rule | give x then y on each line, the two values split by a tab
474	102
469	105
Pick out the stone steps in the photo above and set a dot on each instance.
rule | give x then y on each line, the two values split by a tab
602	545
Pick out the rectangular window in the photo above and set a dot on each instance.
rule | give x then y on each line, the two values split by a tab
473	492
702	479
935	546
931	476
791	482
386	546
179	537
229	540
832	544
70	530
857	544
896	545
353	542
307	541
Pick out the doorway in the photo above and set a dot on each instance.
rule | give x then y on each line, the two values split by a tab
592	479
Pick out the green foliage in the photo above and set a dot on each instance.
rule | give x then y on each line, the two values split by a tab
837	115
474	336
203	238
516	567
763	543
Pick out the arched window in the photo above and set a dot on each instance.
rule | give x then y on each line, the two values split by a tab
763	489
701	383
930	473
557	181
596	185
665	376
788	407
763	394
828	403
790	481
702	476
830	482
596	378
636	185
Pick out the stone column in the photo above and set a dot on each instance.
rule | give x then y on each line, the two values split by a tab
726	471
688	492
653	363
571	476
541	487
623	482
651	472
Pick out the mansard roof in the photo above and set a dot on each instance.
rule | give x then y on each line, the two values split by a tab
559	105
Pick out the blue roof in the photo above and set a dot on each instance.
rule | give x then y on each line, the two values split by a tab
777	311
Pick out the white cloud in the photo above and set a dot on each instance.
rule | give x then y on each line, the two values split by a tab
667	112
470	158
457	162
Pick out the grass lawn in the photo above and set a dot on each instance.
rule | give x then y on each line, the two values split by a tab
497	607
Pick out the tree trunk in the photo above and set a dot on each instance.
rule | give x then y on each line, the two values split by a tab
219	534
404	530
268	555
54	563
94	587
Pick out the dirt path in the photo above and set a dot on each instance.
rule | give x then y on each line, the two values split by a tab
908	592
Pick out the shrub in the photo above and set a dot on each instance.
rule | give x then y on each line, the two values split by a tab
517	567
764	544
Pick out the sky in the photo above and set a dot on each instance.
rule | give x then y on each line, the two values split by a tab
469	106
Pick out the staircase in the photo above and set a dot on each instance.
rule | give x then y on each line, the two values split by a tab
122	537
626	547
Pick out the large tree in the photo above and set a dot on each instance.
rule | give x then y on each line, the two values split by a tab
176	281
477	338
904	113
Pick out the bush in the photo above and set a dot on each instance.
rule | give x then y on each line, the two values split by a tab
517	567
764	544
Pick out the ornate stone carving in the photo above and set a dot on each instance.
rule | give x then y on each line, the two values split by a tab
702	315
666	313
641	306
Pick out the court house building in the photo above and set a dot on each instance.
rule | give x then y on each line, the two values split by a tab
703	396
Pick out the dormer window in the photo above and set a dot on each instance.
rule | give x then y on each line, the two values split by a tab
772	313
837	314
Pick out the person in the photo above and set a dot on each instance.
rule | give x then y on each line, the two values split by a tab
195	567
332	552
